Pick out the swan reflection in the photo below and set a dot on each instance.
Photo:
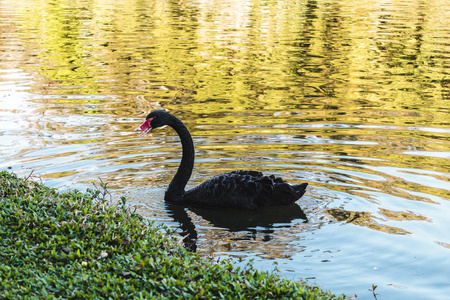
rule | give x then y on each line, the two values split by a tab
234	220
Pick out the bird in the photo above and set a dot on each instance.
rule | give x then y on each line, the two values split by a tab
240	189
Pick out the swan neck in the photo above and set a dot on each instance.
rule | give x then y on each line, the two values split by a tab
175	191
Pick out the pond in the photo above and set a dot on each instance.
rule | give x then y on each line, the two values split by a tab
349	96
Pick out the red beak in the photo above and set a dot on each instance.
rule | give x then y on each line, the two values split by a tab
146	127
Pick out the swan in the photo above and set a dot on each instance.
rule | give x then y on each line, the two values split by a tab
237	189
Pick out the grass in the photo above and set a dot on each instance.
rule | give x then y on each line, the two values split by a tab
74	245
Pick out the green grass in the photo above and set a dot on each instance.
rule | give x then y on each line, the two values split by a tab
79	246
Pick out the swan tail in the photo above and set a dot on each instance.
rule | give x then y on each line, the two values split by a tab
300	189
285	194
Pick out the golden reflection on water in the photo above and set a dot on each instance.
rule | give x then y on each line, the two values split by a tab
351	97
348	70
363	219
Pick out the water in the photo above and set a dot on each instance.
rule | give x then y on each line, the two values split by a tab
351	97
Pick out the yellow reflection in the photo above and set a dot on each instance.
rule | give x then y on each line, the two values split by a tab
362	218
242	56
446	245
402	215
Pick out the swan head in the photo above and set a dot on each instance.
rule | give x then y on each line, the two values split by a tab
155	119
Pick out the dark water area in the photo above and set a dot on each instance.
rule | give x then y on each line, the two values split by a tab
351	97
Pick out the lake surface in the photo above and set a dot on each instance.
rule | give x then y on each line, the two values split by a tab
349	96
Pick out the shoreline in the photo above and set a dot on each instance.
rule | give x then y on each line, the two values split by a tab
80	245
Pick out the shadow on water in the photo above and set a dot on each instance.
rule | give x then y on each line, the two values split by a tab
233	220
189	234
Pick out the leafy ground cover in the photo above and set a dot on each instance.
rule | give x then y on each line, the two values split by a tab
77	245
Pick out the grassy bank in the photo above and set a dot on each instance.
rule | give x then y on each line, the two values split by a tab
78	245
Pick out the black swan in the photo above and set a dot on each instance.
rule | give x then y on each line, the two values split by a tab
236	189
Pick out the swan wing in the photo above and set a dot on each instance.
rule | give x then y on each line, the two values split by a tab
244	190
